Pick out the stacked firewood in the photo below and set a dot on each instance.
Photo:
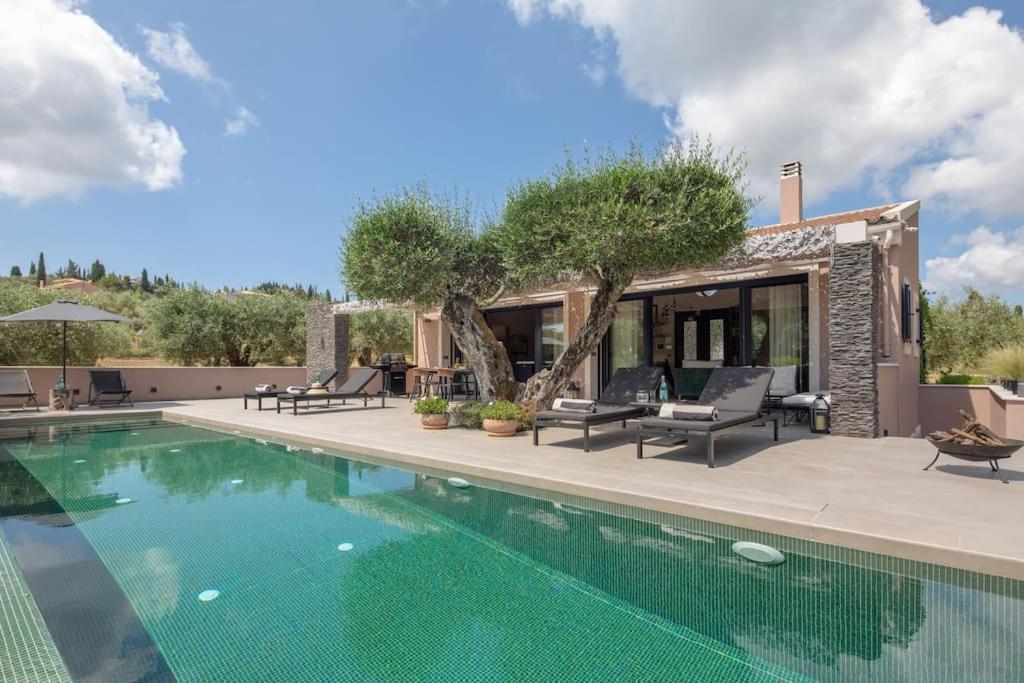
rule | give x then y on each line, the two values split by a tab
971	433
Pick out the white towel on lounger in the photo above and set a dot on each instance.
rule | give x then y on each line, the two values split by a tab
575	405
688	411
296	390
262	388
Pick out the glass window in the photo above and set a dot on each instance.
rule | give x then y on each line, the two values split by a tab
552	334
627	336
717	334
778	324
690	339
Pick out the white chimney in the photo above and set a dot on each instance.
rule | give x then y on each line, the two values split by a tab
791	188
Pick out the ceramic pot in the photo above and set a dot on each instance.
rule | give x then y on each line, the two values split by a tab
434	421
501	427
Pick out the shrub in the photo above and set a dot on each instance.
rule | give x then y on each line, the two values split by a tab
952	378
501	410
468	414
1005	363
433	405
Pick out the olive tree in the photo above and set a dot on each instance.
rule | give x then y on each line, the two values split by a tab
412	249
614	217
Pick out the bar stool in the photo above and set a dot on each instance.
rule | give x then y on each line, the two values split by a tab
466	381
442	382
421	381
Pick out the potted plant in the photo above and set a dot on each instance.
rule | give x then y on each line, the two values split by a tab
1007	363
501	418
433	412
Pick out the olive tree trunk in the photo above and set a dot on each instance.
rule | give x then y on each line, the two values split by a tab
484	354
548	384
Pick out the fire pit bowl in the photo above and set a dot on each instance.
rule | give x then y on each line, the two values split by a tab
977	452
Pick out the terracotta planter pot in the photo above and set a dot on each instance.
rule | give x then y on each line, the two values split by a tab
434	421
501	427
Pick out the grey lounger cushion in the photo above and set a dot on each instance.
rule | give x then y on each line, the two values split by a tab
727	418
603	414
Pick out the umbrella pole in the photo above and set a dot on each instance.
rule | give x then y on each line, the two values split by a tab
64	359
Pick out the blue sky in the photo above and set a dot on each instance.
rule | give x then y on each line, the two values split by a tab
341	100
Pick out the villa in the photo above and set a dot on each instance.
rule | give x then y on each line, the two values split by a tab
836	296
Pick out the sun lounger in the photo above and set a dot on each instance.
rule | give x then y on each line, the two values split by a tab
324	377
354	387
612	407
16	384
738	393
108	388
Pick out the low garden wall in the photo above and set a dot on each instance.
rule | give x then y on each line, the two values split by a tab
170	383
940	403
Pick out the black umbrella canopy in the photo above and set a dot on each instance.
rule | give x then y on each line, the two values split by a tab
65	312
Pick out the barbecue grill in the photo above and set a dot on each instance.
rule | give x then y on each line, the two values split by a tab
393	366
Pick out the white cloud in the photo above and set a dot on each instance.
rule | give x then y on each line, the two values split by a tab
241	122
991	262
872	91
73	107
173	50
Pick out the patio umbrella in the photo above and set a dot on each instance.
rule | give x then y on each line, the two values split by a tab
65	312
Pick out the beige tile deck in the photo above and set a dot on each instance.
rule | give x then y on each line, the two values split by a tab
864	494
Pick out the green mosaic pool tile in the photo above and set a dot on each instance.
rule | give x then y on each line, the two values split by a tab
483	583
27	652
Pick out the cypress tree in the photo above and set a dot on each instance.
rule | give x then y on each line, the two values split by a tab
41	269
97	270
327	296
144	284
32	269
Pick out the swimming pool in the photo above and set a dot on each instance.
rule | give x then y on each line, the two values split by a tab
158	550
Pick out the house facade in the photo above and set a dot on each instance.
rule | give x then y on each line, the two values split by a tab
836	296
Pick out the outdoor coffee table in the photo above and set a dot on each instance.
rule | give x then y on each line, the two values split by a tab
258	396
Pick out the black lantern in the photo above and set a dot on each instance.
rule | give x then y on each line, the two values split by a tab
572	391
820	418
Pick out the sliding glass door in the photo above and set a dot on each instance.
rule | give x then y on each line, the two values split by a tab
778	327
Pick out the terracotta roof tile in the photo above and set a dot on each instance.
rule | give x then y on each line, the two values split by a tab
872	215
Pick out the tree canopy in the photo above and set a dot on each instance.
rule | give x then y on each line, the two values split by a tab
615	216
960	333
412	248
192	326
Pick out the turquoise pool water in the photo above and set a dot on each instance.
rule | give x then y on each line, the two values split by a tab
328	568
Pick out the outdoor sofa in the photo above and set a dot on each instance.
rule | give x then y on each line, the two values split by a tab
737	393
108	388
16	384
354	387
613	406
324	377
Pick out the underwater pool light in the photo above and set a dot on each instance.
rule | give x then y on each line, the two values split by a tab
207	596
458	482
317	450
123	501
758	552
345	547
79	462
237	481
